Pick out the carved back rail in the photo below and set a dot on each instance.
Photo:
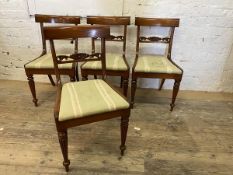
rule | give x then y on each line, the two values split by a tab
161	22
111	20
84	31
75	20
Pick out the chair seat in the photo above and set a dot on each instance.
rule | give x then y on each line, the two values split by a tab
85	98
156	64
46	62
113	62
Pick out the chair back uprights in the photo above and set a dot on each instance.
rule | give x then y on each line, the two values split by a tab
161	22
69	32
55	19
111	21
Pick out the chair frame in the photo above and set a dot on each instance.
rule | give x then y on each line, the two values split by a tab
111	21
163	22
52	33
48	71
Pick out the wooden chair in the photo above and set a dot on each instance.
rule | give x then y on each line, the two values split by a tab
84	102
44	64
156	66
116	64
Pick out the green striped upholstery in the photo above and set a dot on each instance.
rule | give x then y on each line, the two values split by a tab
113	62
156	64
85	98
45	62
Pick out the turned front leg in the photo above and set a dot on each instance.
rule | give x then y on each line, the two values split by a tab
31	84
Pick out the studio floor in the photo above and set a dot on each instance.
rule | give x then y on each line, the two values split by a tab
195	139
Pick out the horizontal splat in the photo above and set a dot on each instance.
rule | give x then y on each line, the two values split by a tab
154	39
78	57
113	38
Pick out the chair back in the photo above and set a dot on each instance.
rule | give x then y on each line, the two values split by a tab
161	22
55	19
69	32
111	21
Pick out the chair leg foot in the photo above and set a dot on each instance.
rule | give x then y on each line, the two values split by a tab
133	91
31	84
174	93
131	105
125	86
124	130
172	106
63	140
161	84
72	78
51	80
122	148
84	78
66	165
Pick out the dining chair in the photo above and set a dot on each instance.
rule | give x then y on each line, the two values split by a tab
43	65
83	102
116	63
152	65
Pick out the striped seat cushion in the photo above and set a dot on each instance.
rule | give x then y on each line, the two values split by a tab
85	98
113	62
46	62
156	64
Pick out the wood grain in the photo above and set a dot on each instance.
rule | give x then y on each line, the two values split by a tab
195	139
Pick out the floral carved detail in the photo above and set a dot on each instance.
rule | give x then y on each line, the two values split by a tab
154	39
114	38
79	56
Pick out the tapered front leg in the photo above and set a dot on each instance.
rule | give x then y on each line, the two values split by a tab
51	80
124	129
125	86
63	140
31	84
121	83
133	90
76	72
174	93
161	84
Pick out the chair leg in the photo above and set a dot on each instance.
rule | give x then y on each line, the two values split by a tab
133	90
76	73
174	93
124	129
51	80
95	76
72	78
31	84
161	84
84	77
125	86
63	140
121	85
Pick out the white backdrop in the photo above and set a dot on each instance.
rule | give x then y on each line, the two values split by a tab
76	7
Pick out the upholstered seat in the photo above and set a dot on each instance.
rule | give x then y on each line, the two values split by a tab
156	64
85	98
113	62
46	62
